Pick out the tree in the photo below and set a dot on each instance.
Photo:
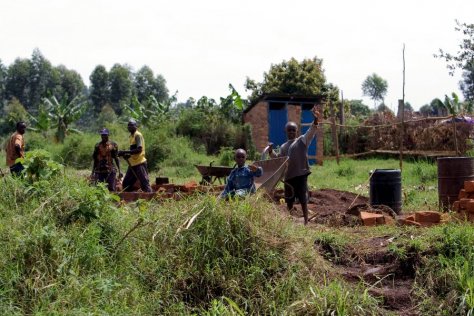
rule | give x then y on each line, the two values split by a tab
375	87
427	110
290	77
13	112
383	108
106	115
147	85
408	107
17	81
231	107
152	114
358	108
70	83
121	87
467	84
3	82
463	59
100	88
62	114
40	82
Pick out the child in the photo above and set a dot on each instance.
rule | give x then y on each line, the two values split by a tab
240	181
296	177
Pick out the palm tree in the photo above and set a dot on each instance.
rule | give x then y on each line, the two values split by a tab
62	114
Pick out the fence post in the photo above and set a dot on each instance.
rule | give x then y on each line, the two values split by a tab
334	132
401	117
455	134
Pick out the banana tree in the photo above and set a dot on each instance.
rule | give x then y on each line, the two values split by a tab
150	113
454	107
42	121
62	114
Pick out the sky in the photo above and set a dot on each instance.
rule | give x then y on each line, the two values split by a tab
202	46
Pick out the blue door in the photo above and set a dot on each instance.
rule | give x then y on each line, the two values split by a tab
277	119
306	121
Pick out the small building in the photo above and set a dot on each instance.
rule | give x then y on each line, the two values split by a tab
268	115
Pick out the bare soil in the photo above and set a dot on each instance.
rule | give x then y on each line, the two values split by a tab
368	260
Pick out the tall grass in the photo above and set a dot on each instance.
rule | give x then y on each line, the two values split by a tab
447	277
68	248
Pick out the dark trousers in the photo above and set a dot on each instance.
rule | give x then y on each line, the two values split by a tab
138	172
108	178
296	187
16	169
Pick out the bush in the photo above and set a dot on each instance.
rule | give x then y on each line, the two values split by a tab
206	128
77	151
39	166
226	156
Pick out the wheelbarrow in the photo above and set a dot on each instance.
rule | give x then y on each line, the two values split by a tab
212	173
273	171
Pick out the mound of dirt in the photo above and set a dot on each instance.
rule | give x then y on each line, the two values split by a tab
336	208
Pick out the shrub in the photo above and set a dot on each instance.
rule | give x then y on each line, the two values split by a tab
39	166
77	151
226	156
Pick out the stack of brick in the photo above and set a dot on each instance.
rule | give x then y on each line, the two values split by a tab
423	218
374	219
465	205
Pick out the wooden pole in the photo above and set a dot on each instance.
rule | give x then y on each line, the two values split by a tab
342	119
401	106
334	132
455	136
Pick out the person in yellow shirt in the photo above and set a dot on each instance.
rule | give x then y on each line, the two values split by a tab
135	157
15	148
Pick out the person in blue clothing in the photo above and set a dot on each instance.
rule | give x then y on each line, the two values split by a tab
240	181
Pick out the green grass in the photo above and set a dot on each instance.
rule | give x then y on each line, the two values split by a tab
419	179
68	248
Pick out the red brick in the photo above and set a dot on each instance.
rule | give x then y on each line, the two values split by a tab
470	206
388	220
462	194
456	206
371	219
428	217
469	186
470	195
408	222
463	203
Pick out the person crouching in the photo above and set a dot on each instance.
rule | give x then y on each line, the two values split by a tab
241	179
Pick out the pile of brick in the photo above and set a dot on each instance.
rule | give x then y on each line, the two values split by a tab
465	205
373	219
424	218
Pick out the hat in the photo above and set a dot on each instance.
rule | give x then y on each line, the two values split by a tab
104	131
